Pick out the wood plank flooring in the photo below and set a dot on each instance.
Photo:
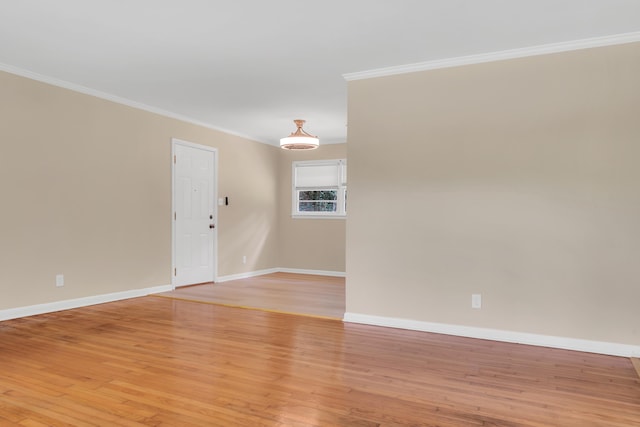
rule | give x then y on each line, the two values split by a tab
309	295
636	364
165	362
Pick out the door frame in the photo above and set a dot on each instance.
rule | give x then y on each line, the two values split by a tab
174	143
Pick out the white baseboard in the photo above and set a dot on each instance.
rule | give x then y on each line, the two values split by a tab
614	349
313	272
256	273
246	275
31	310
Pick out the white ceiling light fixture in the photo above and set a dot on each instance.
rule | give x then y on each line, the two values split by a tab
299	140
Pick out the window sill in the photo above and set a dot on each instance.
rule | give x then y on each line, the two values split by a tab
294	216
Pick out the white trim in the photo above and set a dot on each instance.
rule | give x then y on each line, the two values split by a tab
13	313
298	216
320	162
340	188
313	272
245	275
117	99
32	310
614	349
496	56
280	270
174	142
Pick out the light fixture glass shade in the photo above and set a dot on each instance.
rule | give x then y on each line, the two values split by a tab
299	140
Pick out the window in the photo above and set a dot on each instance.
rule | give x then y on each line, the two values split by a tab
320	188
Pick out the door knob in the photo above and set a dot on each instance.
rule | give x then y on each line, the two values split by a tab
212	226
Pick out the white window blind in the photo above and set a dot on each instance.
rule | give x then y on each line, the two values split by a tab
317	176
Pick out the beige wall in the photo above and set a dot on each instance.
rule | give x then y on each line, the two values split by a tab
517	179
249	177
310	244
86	185
86	190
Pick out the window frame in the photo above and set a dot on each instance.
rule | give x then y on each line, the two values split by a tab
341	189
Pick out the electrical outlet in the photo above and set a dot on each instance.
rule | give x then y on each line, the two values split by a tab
244	259
476	301
59	280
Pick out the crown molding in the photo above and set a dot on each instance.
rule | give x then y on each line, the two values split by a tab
114	98
496	56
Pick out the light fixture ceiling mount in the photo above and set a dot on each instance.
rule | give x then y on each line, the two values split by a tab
299	140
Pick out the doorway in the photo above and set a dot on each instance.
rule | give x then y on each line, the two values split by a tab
194	213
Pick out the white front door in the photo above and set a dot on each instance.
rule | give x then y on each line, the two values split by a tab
194	213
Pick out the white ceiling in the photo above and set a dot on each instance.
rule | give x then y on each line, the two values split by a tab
250	67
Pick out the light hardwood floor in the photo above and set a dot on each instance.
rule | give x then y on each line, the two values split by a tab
636	364
155	361
309	295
